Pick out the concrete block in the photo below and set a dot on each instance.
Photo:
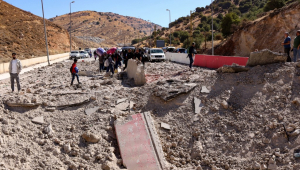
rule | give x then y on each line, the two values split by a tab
38	120
198	105
264	57
138	143
139	78
131	68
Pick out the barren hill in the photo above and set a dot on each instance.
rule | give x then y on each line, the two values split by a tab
107	28
23	33
267	32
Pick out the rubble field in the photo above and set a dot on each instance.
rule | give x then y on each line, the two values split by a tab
204	119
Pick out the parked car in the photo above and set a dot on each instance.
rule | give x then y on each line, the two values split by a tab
74	54
181	50
156	54
87	50
168	49
84	54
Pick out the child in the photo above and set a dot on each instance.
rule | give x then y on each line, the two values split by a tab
74	70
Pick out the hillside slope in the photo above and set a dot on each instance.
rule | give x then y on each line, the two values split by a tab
111	28
264	33
23	33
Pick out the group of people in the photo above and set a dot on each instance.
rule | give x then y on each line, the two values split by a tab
296	46
111	62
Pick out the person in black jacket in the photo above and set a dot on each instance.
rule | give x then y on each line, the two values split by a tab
137	55
192	54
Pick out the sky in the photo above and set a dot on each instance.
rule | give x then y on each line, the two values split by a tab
153	10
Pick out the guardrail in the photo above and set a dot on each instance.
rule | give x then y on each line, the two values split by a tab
4	67
207	61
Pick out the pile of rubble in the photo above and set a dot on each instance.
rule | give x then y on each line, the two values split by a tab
203	119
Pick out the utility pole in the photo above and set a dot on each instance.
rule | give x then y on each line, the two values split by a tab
71	27
155	36
45	34
212	27
170	25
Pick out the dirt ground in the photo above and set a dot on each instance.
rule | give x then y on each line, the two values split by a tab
240	124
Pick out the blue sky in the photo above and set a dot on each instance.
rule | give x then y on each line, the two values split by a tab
153	10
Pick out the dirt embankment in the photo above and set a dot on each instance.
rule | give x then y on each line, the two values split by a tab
263	33
23	33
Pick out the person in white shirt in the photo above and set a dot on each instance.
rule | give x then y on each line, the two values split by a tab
15	68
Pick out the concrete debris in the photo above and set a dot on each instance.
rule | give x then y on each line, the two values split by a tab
170	89
123	106
264	57
85	73
165	126
232	69
205	90
198	105
91	110
38	120
139	78
90	137
121	100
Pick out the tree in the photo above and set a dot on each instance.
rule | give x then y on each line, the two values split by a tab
228	21
272	4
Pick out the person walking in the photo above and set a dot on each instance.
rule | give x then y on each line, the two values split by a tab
191	54
137	55
117	60
125	58
110	66
74	71
101	61
296	49
15	68
287	46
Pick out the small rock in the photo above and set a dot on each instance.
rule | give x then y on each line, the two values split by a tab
48	129
224	104
89	137
165	126
67	148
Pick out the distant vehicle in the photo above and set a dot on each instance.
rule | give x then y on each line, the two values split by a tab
87	50
119	49
127	48
74	54
156	54
181	50
169	49
84	54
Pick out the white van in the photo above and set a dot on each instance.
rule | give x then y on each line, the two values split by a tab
156	54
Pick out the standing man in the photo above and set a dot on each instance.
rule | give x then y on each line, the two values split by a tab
296	49
15	68
191	54
287	46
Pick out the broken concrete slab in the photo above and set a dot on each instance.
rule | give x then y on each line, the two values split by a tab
170	89
85	73
50	109
205	90
264	57
122	106
140	78
11	104
121	100
232	69
38	120
198	105
165	126
91	110
136	139
131	68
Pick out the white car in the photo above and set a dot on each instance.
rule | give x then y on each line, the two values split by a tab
74	54
156	54
84	54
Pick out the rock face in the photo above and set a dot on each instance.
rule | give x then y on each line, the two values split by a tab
265	57
263	33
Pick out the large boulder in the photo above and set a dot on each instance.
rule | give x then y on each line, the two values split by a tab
265	57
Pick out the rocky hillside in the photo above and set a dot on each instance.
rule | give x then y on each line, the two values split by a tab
264	33
23	33
105	28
